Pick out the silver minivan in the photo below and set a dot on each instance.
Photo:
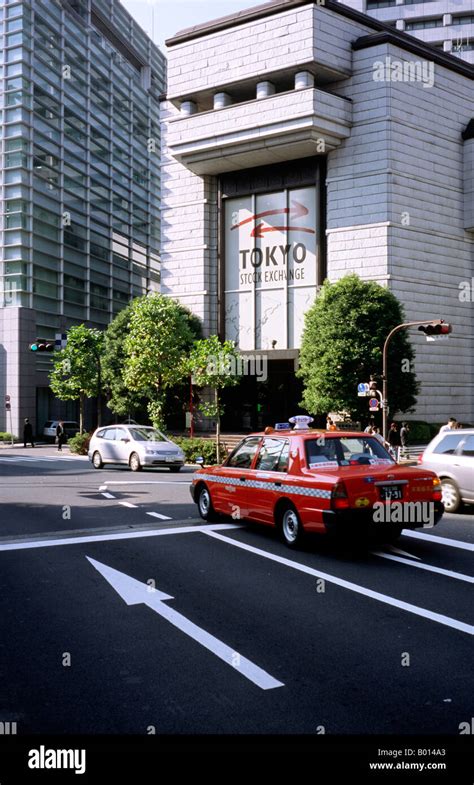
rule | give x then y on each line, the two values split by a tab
451	455
135	445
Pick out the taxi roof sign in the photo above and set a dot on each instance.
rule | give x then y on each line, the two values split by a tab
282	426
301	421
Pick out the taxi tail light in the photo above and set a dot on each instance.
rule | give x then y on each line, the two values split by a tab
436	493
339	497
420	458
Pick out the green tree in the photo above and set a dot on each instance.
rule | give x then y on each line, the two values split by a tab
161	332
122	400
214	364
342	344
76	372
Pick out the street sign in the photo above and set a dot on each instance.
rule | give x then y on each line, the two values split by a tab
363	387
437	337
374	404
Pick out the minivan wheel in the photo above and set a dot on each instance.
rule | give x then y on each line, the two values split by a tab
135	464
291	528
451	497
97	461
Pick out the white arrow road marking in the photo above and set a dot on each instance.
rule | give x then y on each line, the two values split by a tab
108	495
129	504
449	573
128	535
393	549
135	593
375	595
103	488
160	516
466	546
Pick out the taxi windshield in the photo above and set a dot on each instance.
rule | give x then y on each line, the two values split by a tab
345	451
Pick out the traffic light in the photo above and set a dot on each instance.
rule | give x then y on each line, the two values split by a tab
436	329
42	345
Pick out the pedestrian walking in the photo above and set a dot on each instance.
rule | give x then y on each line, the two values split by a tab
393	438
450	425
60	435
404	437
27	433
378	435
330	425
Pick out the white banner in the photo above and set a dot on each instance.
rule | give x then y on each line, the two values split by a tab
270	267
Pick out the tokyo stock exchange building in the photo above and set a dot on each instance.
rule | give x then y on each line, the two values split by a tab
303	141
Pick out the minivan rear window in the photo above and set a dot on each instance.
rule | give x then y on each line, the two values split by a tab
448	444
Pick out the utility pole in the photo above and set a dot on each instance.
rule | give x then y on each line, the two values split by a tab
430	328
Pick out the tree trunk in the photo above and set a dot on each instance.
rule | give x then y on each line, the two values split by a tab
218	426
81	413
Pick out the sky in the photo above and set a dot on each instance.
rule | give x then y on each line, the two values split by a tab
161	19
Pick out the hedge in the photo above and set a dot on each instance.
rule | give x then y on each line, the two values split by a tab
198	447
79	444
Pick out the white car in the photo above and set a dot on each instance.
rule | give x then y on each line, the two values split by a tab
71	427
134	445
451	455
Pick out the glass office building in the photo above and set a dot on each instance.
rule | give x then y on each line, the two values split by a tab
80	178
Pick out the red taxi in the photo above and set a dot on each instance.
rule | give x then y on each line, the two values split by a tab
316	481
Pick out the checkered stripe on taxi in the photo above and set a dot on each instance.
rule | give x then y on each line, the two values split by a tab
291	490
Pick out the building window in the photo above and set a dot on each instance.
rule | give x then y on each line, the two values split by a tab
424	24
372	5
463	20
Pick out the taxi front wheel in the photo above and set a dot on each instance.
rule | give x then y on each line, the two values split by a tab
290	527
205	507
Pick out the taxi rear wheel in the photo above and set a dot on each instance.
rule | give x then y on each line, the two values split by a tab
205	506
290	527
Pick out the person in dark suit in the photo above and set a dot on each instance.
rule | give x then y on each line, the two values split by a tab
27	433
60	435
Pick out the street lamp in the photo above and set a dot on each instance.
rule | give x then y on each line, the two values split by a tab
430	327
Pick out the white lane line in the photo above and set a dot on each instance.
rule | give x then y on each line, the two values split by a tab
160	516
465	546
108	495
135	593
148	482
393	549
366	592
431	568
29	544
129	504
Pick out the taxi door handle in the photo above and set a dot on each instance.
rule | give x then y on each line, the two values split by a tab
243	479
278	484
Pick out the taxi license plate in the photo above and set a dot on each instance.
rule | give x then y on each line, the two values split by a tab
169	459
390	493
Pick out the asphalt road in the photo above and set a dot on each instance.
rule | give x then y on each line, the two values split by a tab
114	620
